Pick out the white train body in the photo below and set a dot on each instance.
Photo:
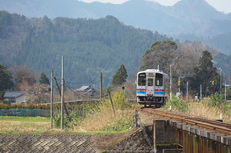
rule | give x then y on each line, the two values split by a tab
152	87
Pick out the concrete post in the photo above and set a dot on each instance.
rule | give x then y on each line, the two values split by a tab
135	118
154	136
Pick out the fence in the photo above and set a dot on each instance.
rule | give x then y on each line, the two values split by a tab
25	112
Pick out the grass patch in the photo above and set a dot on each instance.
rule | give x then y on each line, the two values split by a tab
103	118
209	108
97	119
24	119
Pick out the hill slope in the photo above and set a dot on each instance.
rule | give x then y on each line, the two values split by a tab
88	46
184	19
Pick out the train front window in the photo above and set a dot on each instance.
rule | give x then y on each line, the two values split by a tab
159	79
142	79
150	82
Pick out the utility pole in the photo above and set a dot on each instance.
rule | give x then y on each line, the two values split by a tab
62	95
220	83
200	91
170	81
51	113
225	89
101	78
187	90
179	96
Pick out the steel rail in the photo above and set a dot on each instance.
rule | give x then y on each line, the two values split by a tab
218	123
190	121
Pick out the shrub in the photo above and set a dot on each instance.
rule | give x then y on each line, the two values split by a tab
177	104
215	100
30	106
120	124
118	100
5	102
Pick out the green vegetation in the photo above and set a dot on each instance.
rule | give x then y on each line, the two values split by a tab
160	53
177	104
88	46
120	76
120	124
204	74
44	79
30	106
6	82
99	117
24	119
6	102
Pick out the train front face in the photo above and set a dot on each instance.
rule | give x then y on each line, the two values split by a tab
150	88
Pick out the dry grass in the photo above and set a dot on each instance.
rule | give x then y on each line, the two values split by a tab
19	126
203	110
98	121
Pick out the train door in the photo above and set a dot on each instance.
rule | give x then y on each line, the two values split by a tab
150	84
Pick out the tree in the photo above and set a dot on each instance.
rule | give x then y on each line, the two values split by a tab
36	93
24	78
5	80
204	74
44	79
160	53
120	76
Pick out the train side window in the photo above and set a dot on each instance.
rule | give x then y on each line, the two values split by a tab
159	79
150	82
142	79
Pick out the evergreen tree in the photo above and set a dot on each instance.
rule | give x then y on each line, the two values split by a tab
44	79
5	80
120	76
204	74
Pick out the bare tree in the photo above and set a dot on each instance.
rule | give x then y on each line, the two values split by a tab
38	94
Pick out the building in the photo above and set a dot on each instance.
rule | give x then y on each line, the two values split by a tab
15	97
87	90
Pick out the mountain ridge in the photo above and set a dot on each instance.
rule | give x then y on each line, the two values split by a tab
186	17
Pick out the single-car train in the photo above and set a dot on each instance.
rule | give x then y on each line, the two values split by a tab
152	87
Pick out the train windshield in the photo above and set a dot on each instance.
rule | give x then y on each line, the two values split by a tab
159	79
142	79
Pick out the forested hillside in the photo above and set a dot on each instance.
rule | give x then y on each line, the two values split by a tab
191	20
89	46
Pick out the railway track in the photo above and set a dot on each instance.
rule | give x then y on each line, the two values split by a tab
211	125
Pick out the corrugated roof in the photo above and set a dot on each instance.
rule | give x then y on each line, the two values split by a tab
84	88
12	94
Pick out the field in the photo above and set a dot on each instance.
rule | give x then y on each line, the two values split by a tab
20	125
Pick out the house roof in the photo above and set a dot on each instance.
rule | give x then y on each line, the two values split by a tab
12	94
84	88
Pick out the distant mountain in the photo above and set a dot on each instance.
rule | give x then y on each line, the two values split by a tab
88	46
185	18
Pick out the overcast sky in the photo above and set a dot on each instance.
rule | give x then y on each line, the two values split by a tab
220	5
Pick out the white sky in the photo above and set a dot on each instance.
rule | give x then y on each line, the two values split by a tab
220	5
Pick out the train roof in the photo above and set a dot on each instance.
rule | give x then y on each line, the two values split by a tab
153	70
